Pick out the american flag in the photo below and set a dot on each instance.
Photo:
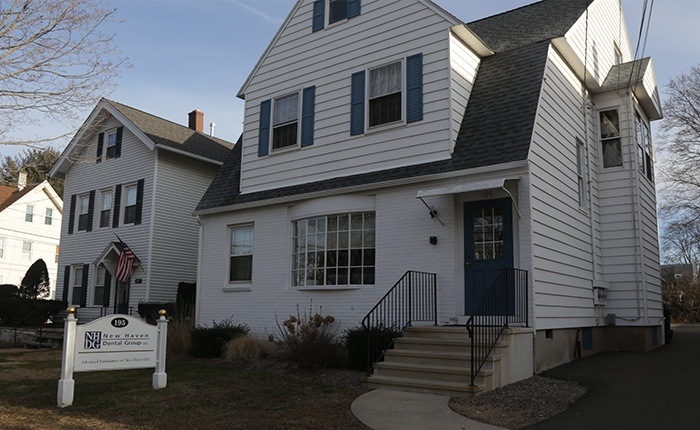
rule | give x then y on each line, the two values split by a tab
124	263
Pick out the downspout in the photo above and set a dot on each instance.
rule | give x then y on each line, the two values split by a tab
198	289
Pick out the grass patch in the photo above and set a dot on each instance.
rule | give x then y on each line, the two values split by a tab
200	394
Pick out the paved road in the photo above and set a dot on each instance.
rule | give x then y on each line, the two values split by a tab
635	391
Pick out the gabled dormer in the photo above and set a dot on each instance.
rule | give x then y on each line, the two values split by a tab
350	87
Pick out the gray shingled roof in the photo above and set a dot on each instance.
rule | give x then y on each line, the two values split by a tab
499	119
173	135
622	75
529	24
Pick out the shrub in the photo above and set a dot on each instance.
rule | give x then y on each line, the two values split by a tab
149	310
180	335
356	344
35	283
208	342
309	340
185	299
246	348
28	312
8	291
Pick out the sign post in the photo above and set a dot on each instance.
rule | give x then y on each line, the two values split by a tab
112	342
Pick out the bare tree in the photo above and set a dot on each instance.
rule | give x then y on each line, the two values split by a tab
681	242
680	145
54	62
36	163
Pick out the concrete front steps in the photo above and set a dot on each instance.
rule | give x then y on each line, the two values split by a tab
437	359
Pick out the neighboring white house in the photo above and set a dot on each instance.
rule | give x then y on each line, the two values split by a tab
382	137
137	177
30	229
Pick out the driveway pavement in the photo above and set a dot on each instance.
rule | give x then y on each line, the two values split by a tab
635	391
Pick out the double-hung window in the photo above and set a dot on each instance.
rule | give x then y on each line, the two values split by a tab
29	214
101	287
26	251
48	217
644	148
105	207
285	122
77	293
385	88
610	138
334	250
328	12
337	11
111	151
130	204
388	94
83	212
241	254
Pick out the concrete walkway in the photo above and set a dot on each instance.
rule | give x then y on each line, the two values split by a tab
401	410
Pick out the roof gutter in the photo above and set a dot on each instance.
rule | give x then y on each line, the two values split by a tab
356	188
189	154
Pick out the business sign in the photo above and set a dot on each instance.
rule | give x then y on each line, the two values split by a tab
115	342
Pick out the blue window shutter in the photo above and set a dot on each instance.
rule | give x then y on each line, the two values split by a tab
307	116
414	88
354	7
264	129
357	104
319	18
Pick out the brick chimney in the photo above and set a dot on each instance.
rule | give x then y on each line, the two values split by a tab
196	122
21	181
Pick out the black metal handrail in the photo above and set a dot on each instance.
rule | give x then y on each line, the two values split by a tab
505	303
412	299
29	329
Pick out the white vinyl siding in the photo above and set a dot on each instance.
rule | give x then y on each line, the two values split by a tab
176	232
464	65
299	59
136	162
597	33
562	251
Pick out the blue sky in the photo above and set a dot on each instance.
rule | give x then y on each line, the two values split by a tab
196	54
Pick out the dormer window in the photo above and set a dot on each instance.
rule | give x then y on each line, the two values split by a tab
285	121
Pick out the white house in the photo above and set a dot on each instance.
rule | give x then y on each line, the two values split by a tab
384	138
30	225
132	176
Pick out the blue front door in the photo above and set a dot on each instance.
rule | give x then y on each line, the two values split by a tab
488	247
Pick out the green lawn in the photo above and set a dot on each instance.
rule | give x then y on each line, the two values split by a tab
200	395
